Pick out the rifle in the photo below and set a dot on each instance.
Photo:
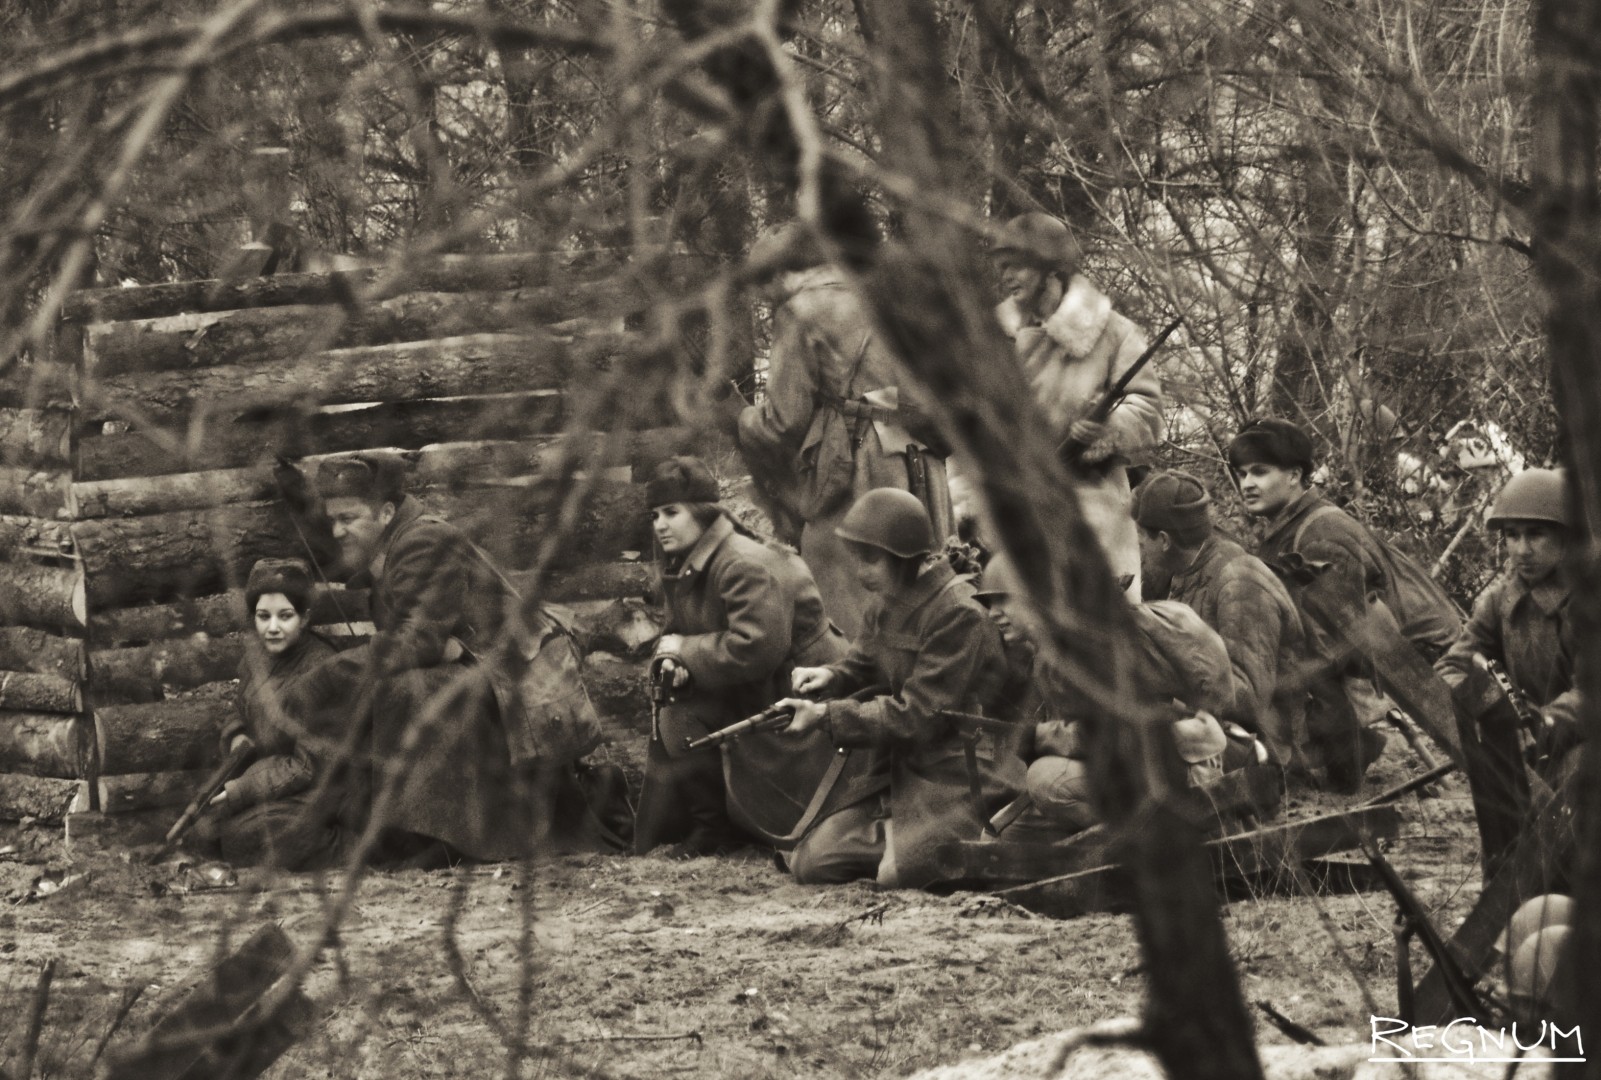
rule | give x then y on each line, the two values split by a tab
769	719
1071	450
1411	918
1537	750
225	772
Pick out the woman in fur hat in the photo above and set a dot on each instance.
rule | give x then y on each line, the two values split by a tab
740	617
279	810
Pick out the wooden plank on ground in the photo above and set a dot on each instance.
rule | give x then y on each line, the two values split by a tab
210	1005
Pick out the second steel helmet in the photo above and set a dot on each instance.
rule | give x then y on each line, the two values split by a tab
890	519
1045	239
1532	495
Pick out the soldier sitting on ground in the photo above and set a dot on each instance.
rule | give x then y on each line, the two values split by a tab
470	744
285	808
1521	621
1182	670
935	649
1236	594
1337	563
740	617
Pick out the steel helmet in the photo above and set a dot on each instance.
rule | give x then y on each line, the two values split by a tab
1045	239
1000	578
1534	965
1534	915
890	519
1532	495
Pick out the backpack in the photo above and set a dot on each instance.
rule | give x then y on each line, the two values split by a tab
1426	613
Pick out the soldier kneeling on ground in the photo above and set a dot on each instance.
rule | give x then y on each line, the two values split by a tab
1183	668
740	617
936	652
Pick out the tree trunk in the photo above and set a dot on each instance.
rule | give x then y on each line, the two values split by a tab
45	597
214	442
36	438
23	648
1304	373
935	315
129	793
276	335
27	691
145	673
446	273
448	367
1567	124
44	744
164	736
45	799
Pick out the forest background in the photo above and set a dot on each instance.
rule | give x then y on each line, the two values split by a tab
1375	217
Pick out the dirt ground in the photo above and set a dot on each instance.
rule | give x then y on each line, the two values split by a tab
649	967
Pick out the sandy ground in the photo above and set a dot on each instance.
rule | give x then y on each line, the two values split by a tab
650	967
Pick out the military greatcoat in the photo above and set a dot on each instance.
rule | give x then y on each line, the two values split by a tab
937	649
749	615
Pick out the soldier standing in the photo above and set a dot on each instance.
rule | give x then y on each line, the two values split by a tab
1521	620
838	418
1073	347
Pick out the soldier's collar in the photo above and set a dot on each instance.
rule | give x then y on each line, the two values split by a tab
1080	319
710	540
1548	594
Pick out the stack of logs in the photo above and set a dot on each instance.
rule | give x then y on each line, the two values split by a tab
138	489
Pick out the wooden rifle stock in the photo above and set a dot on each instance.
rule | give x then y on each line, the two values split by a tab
225	772
1071	449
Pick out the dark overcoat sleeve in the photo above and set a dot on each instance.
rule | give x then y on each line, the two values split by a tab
760	615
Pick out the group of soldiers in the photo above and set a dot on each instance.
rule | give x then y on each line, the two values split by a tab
905	705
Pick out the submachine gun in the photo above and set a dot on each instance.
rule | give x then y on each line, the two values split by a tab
230	768
771	718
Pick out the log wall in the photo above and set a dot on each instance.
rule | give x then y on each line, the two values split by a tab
136	484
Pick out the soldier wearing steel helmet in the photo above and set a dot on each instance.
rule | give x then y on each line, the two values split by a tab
934	648
1522	621
1073	347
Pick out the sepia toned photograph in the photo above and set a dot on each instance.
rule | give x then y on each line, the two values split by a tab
884	539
